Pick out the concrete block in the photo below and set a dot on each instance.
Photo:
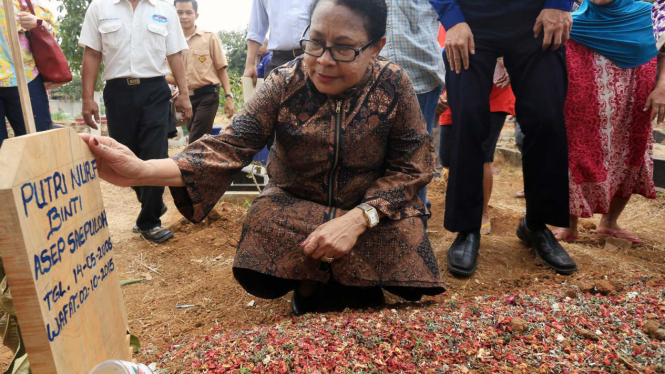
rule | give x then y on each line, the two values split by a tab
659	136
616	243
510	156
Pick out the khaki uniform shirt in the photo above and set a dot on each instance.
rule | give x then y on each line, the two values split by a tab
203	60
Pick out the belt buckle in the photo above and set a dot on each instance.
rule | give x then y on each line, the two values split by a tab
133	81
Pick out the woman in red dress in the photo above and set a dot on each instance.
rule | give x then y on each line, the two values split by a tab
612	71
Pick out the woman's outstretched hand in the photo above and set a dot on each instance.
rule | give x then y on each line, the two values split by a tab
336	238
115	162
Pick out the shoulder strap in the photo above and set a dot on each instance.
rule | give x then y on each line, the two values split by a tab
32	9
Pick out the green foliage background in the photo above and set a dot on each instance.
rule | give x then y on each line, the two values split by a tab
235	49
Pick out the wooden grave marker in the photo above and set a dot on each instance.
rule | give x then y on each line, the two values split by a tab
55	246
57	254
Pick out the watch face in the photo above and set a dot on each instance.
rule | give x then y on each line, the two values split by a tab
373	216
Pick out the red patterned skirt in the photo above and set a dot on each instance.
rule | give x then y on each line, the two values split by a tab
610	136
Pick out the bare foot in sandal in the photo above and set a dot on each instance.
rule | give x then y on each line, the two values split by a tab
486	226
608	224
612	229
564	235
568	235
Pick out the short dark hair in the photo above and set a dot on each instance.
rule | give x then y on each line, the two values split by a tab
373	12
195	4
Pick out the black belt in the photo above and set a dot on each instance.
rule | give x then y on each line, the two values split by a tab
287	55
133	81
211	88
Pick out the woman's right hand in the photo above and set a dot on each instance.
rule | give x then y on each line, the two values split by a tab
116	164
656	102
27	20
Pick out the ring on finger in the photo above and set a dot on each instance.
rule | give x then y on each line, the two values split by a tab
327	259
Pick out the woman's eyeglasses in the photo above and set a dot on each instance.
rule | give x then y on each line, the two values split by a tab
341	53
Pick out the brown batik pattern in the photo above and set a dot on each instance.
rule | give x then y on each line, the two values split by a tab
324	162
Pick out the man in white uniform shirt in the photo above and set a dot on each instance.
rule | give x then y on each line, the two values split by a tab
286	19
135	38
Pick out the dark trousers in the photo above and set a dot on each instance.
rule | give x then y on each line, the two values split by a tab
270	287
539	80
497	120
138	117
204	110
428	101
279	58
10	107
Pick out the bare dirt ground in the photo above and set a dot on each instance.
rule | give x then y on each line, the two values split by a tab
194	268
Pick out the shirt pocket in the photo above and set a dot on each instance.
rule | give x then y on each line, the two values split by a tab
201	60
111	35
157	38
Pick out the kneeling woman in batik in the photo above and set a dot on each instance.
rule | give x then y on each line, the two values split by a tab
351	152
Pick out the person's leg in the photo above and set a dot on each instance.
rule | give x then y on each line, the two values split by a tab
428	103
609	220
488	183
3	124
203	116
153	98
13	110
610	227
122	118
263	285
445	143
519	142
468	96
40	107
539	80
519	136
568	234
40	104
497	120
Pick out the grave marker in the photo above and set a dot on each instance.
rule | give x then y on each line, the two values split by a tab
58	255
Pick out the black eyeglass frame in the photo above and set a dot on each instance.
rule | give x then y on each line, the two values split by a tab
357	51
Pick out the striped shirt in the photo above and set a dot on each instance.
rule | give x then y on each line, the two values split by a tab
412	43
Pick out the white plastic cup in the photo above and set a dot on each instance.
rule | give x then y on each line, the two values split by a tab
120	367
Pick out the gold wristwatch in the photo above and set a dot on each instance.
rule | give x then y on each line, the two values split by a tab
371	215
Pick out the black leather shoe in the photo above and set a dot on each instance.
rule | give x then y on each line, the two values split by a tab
136	229
463	254
305	304
547	247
